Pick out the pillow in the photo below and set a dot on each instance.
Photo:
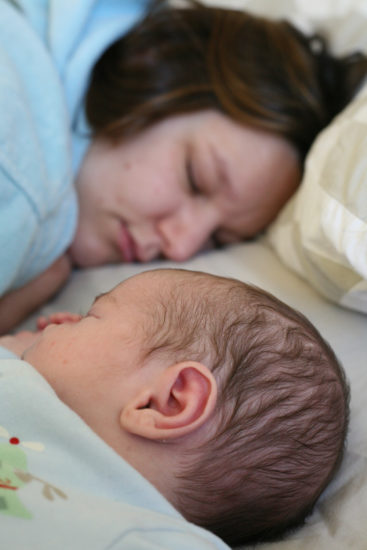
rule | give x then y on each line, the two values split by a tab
321	233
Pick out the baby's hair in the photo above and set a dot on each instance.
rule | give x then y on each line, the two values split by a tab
282	411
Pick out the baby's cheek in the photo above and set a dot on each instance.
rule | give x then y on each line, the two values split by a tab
42	356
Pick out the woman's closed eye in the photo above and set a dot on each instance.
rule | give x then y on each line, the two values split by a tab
194	188
226	236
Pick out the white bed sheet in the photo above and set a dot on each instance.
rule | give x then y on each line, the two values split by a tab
339	520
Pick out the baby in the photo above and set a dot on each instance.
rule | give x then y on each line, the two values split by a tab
225	399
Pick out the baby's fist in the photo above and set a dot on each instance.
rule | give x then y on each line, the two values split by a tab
57	319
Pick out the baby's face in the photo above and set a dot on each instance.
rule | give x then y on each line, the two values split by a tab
96	362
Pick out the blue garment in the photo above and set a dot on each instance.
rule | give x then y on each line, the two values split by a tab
63	488
76	33
47	50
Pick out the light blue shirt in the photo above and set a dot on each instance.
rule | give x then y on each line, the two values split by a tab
47	50
62	487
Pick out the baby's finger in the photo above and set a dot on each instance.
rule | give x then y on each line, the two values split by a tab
61	317
57	319
42	322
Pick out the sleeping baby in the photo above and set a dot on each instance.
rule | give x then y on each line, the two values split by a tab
179	396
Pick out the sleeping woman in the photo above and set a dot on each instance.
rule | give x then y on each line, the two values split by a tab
133	131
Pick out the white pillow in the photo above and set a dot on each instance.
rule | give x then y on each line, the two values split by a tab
322	231
342	22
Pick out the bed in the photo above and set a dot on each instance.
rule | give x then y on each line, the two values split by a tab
339	519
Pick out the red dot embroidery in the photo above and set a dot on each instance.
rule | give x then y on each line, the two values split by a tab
14	441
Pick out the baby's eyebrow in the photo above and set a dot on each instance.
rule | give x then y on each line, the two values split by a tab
98	297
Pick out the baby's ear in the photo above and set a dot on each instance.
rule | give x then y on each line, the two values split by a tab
178	401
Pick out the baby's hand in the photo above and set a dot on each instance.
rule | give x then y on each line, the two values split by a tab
18	343
57	319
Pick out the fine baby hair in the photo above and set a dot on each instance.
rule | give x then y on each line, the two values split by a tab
282	411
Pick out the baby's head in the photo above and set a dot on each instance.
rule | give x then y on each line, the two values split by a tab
281	413
226	399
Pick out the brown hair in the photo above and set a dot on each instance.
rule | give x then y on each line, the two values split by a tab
282	411
260	72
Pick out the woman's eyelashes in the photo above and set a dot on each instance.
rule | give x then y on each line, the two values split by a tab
191	178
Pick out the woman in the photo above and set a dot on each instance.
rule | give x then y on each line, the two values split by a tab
190	131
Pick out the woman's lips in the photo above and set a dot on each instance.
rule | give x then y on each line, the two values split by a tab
126	245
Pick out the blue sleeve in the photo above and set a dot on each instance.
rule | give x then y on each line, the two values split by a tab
43	136
75	34
37	200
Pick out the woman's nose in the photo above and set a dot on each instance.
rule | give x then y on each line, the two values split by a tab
185	233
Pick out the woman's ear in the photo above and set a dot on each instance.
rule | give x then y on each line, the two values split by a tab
178	401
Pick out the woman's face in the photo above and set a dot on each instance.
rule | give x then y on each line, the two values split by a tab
178	187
